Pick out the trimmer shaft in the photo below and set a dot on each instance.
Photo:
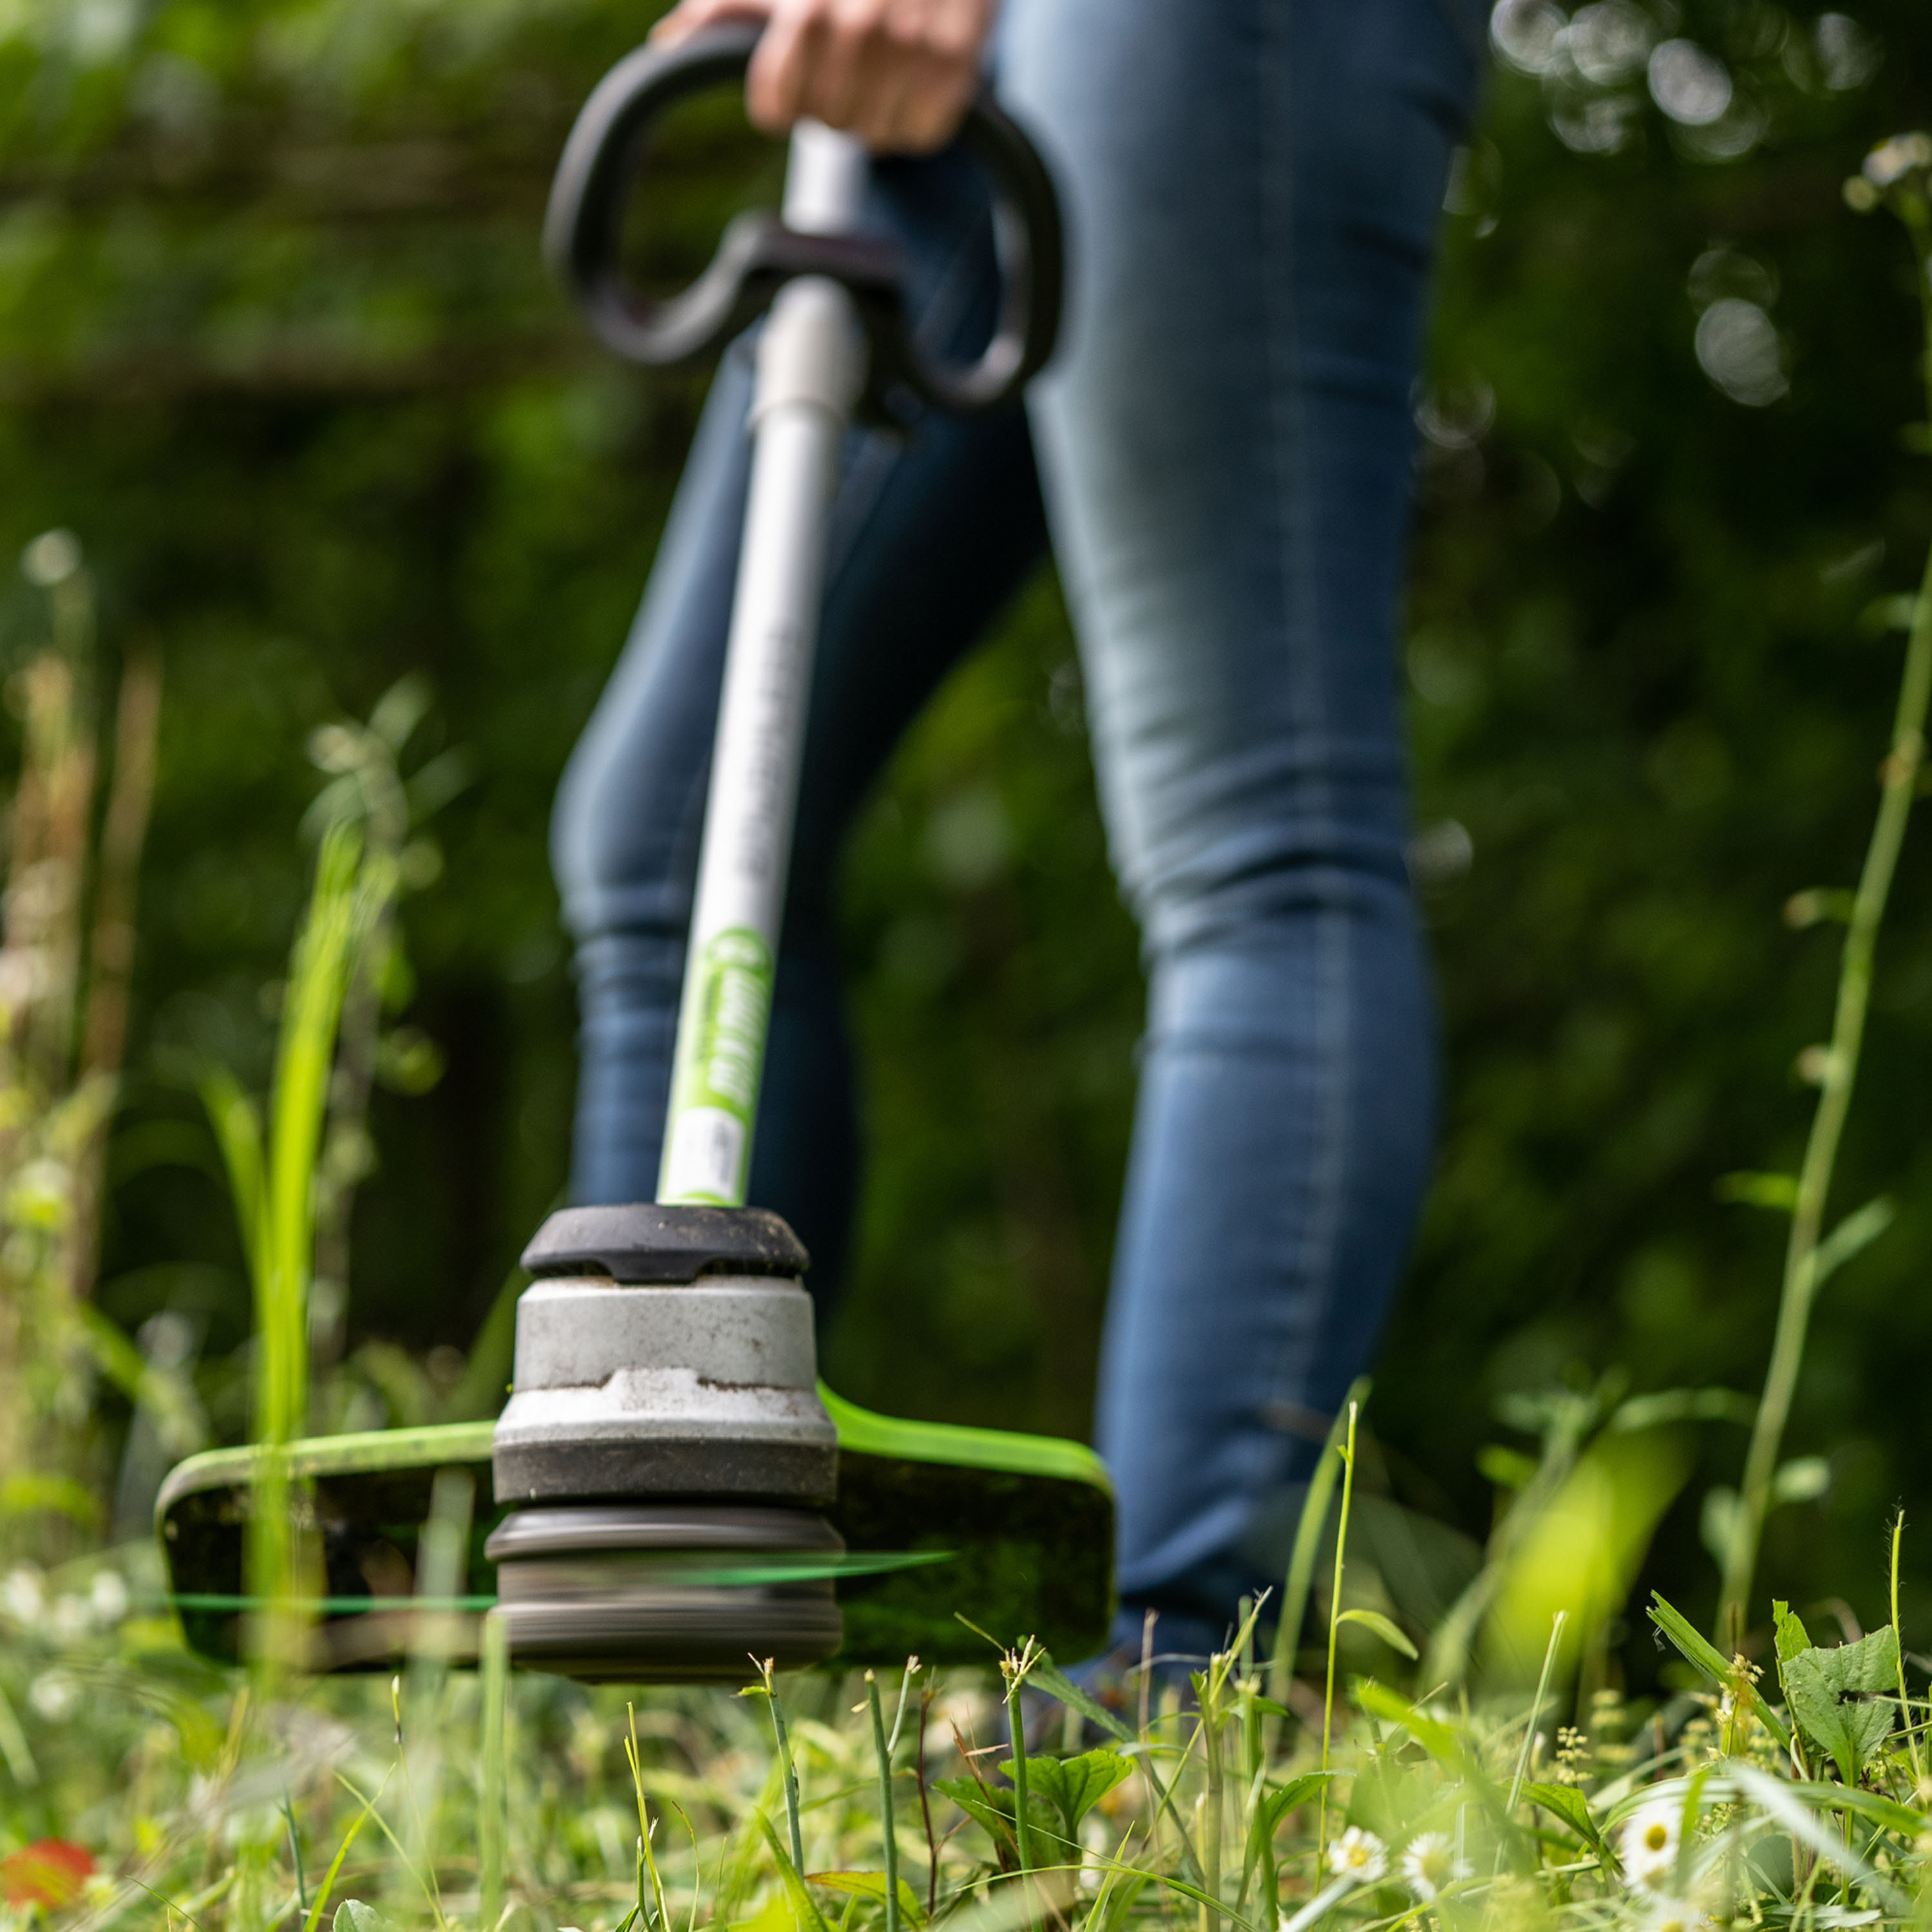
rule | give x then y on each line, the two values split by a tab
665	1430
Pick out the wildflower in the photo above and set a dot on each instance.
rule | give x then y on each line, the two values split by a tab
50	1871
1358	1855
1430	1863
1674	1915
1648	1845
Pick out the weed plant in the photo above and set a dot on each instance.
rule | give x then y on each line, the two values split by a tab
294	1179
66	954
1896	175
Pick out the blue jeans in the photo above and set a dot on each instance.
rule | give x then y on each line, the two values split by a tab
1221	453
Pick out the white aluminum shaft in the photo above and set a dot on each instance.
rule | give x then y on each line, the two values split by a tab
810	369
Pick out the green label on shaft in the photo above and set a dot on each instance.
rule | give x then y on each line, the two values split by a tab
720	1055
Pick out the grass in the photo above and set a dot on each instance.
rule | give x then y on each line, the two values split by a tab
1485	1766
1791	1792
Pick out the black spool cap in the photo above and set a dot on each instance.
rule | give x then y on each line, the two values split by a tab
625	1593
645	1242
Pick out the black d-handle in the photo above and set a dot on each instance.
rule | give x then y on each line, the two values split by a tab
604	159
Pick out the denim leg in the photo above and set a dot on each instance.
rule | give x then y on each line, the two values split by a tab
932	532
1252	191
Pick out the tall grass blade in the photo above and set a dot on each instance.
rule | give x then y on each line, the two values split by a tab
1536	1710
1307	1548
329	1877
1804	1258
891	1857
1334	1629
493	1826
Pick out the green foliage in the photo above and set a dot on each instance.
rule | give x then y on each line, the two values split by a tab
293	1181
1565	1802
1841	1699
991	1809
1047	1676
804	1908
127	1753
1790	1636
1072	1786
872	1885
1390	1633
73	846
1691	1645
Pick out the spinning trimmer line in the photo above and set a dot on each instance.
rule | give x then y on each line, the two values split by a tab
670	1492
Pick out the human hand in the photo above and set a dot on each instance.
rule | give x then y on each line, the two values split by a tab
898	74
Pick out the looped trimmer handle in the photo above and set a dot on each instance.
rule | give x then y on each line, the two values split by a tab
604	159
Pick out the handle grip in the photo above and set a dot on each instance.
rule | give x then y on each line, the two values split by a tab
603	163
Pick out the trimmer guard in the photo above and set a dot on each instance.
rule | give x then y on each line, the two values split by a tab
1016	1532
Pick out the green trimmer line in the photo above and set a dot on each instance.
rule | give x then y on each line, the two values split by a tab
671	1492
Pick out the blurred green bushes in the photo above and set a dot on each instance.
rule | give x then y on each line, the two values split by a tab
274	340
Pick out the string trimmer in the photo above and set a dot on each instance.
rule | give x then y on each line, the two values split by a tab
671	1491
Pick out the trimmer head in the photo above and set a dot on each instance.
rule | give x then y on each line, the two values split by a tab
667	1428
915	1524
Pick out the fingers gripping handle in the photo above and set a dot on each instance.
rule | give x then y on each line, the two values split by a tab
602	165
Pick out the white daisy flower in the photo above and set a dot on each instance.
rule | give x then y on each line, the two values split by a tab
1675	1915
1358	1855
1430	1863
1648	1844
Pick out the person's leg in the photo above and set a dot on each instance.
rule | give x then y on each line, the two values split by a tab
930	533
1252	191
